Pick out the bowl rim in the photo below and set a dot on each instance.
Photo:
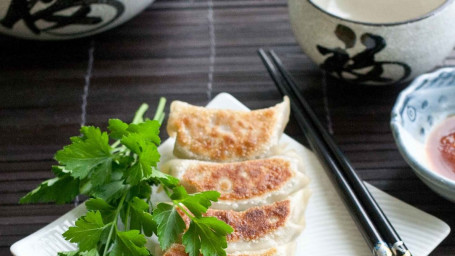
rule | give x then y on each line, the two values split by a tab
396	126
385	24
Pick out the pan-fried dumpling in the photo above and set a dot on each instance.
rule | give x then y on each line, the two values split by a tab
264	227
260	231
225	135
242	184
283	250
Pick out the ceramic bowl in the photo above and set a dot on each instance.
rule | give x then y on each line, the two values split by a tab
374	42
426	102
65	19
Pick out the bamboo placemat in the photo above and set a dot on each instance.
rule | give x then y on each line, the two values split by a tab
186	50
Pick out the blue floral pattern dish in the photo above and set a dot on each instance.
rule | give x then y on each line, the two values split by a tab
426	102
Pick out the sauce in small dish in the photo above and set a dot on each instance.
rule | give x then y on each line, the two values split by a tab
440	148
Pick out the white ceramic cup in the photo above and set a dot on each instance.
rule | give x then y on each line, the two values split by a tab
374	42
65	19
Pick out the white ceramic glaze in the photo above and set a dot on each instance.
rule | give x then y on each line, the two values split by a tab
419	108
374	53
383	11
75	18
329	231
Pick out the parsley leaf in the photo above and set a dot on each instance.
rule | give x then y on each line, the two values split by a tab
140	218
204	234
92	252
199	203
141	190
148	156
170	224
110	191
97	204
145	133
148	130
61	190
137	172
130	243
134	142
165	179
87	231
117	128
192	241
86	154
71	253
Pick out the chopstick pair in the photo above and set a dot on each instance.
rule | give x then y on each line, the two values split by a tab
376	229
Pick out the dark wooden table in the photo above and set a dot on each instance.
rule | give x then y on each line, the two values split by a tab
49	89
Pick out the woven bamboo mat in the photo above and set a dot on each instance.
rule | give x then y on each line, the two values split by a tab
186	50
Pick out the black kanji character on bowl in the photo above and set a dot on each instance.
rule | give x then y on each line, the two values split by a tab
361	68
76	13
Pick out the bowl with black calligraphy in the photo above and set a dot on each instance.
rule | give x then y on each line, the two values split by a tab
374	42
65	19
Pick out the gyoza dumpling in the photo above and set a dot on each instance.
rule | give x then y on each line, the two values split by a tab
283	250
225	135
264	227
242	184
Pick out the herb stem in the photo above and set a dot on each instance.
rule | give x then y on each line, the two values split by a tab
159	114
167	192
127	219
115	144
185	211
114	223
178	204
139	116
161	119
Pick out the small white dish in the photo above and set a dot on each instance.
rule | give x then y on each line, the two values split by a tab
426	102
330	229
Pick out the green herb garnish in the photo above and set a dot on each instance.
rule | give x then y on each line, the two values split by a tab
116	170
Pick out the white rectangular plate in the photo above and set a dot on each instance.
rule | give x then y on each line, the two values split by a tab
330	230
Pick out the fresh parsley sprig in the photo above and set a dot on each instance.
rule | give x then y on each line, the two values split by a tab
116	170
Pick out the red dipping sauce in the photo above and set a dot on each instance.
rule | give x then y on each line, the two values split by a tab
440	148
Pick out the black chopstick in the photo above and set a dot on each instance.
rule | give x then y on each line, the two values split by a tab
331	163
352	203
375	212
